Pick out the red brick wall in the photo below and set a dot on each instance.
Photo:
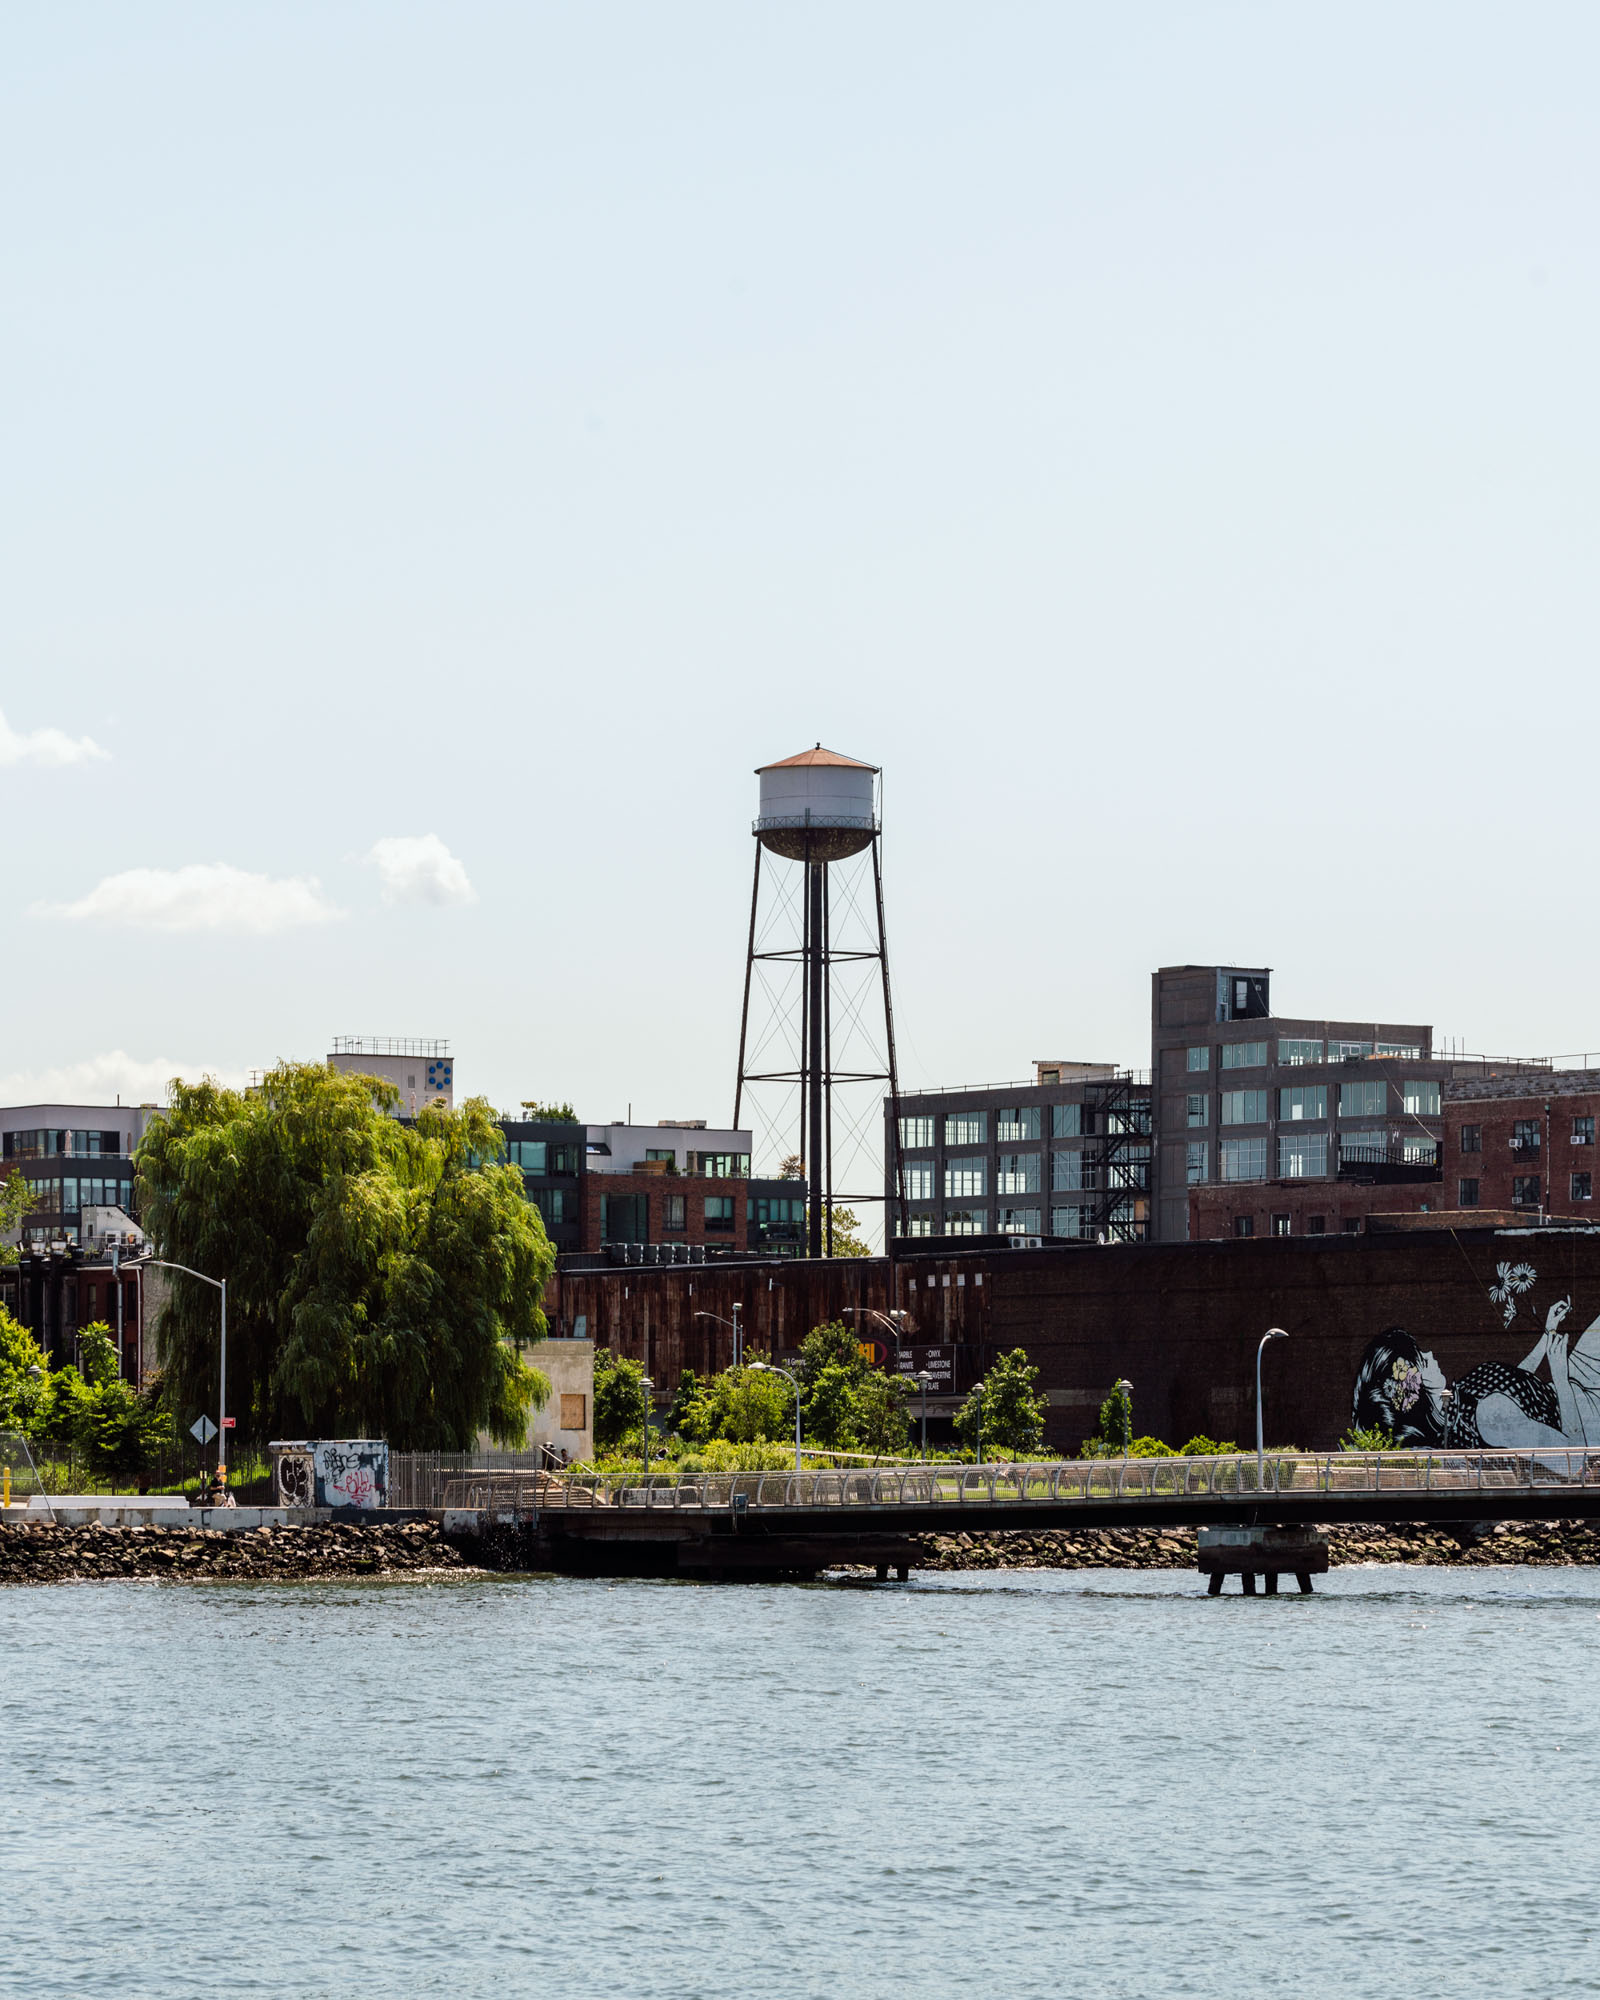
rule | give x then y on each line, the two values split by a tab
657	1188
1496	1165
1216	1207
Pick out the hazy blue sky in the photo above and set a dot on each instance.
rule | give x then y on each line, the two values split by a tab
448	447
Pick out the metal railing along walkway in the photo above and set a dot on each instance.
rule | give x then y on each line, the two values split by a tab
1303	1477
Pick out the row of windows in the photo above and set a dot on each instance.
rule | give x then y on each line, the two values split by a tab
1308	1103
1018	1125
1525	1190
1019	1173
538	1156
1303	1155
1072	1221
1527	1135
47	1144
1297	1051
66	1197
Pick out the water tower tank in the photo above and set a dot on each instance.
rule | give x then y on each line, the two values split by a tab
817	805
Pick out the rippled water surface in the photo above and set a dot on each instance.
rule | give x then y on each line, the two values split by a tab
1093	1783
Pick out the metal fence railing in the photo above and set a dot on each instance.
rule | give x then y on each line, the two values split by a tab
1156	1480
502	1481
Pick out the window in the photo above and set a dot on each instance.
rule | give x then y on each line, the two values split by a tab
1009	1126
1316	1225
1244	1055
1130	1168
529	1154
781	1214
1348	1051
1472	1138
1466	1194
1352	1225
966	1128
1302	1156
1370	1146
1419	1149
1422	1097
916	1180
965	1176
563	1160
552	1206
1066	1171
1281	1225
965	1221
666	1153
1243	1159
1019	1174
1198	1059
673	1212
720	1166
624	1218
1582	1188
1400	1051
1196	1163
1524	1190
1066	1121
915	1132
1199	1110
1367	1099
1294	1053
919	1225
1304	1100
1244	1225
1049	1072
1133	1118
1020	1222
1072	1222
1244	1107
719	1213
1525	1135
1583	1131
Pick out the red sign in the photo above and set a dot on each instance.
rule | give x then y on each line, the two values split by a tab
228	1423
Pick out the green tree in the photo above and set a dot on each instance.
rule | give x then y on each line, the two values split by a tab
618	1398
743	1405
1012	1410
830	1410
831	1345
548	1114
16	1198
380	1279
880	1412
24	1383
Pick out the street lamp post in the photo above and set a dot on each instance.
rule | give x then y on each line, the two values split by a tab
645	1386
924	1378
736	1308
221	1285
977	1390
890	1319
1125	1396
1272	1333
766	1368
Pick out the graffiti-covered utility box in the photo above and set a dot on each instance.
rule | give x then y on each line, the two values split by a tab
330	1472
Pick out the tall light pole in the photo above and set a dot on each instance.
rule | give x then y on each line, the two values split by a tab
221	1285
1125	1397
766	1368
645	1386
924	1378
1272	1333
736	1308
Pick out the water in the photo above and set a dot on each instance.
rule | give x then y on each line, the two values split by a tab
1092	1783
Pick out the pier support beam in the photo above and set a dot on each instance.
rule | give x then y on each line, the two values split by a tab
1248	1552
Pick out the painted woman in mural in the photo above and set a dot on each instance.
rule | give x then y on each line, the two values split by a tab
1402	1389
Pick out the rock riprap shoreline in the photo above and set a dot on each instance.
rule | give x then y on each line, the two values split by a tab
46	1554
1546	1543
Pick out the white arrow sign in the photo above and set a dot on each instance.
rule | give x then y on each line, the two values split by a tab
203	1429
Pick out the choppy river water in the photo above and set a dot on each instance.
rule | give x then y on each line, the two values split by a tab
1085	1783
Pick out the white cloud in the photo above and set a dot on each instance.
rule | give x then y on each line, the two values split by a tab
104	1078
45	746
205	896
419	868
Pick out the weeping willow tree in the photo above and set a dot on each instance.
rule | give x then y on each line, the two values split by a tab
383	1279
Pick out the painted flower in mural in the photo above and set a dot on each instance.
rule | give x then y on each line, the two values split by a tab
1515	1279
1404	1385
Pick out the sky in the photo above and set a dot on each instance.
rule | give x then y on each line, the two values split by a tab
448	448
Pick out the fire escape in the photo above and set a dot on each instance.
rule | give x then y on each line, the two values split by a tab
1116	1115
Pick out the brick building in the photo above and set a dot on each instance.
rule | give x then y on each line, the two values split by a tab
1523	1143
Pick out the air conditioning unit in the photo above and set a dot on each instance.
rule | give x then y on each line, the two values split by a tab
1027	1242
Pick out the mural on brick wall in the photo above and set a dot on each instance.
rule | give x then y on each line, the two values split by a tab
1551	1396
